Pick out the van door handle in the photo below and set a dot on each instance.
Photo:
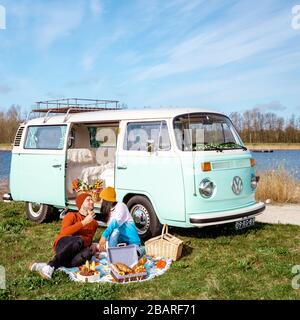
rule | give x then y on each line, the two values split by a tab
56	166
122	167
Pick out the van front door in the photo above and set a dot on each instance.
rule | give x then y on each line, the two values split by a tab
147	165
38	169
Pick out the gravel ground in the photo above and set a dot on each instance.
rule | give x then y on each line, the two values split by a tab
283	214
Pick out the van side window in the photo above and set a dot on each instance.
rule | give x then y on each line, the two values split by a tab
138	135
45	137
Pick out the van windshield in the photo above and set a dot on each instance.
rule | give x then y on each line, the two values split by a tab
205	132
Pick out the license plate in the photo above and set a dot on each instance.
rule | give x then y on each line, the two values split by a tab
244	223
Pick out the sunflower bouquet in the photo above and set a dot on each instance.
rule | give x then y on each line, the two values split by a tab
93	189
96	188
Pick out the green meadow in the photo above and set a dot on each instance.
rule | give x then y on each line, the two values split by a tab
217	263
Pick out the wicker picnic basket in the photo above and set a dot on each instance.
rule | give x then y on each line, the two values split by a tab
165	245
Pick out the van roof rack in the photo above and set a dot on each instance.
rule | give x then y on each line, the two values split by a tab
73	105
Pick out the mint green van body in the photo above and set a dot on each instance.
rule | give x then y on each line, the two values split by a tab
171	178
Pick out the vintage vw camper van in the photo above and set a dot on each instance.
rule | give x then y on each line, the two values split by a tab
183	167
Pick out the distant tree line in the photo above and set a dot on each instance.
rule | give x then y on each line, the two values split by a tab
255	126
9	123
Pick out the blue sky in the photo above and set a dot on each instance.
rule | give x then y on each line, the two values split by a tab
224	55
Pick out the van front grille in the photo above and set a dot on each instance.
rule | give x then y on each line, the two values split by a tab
231	164
18	137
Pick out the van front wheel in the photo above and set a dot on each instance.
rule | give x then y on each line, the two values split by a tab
38	212
144	217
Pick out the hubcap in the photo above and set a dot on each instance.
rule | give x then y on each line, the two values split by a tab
141	218
35	209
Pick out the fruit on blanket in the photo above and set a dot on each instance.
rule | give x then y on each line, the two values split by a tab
161	264
139	269
87	269
93	266
86	272
141	262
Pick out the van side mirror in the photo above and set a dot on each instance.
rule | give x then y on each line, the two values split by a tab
150	145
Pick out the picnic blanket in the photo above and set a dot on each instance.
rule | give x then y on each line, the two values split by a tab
102	266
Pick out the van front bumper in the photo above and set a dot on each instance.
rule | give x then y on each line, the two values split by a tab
209	219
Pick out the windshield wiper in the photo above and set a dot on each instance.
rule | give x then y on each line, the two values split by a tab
234	144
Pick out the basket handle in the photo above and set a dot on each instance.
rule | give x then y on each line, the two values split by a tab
164	230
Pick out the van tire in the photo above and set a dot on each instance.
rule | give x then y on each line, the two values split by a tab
39	213
141	204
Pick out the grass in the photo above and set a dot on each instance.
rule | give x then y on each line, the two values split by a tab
279	186
217	263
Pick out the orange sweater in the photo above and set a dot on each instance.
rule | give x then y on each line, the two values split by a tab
72	226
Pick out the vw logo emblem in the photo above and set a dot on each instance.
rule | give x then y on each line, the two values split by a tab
237	185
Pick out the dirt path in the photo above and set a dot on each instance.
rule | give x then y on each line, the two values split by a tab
284	214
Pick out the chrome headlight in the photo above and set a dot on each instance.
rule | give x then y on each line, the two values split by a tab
206	188
254	181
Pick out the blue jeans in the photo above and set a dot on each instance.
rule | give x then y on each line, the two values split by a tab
114	241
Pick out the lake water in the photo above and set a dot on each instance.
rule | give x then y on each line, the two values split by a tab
290	159
5	157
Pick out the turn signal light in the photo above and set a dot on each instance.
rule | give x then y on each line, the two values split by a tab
206	166
252	162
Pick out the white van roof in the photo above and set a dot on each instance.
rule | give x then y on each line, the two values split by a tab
116	115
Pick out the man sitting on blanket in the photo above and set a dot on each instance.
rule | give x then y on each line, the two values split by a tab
73	246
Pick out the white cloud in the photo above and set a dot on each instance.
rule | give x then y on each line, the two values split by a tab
5	89
102	43
57	23
88	61
82	82
54	95
271	106
130	58
217	45
96	7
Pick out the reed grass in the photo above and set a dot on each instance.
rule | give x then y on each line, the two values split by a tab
279	186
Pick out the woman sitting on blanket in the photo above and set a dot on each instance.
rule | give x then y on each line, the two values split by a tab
73	246
121	227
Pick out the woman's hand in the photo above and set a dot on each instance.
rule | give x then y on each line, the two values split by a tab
89	218
102	244
94	248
